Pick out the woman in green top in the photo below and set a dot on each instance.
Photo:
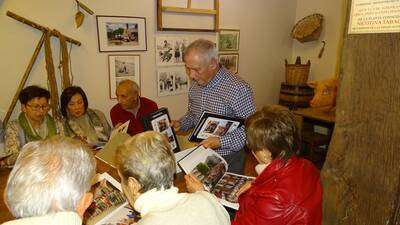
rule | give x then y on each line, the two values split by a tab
33	123
81	122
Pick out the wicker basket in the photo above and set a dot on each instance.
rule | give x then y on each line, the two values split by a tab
308	29
297	73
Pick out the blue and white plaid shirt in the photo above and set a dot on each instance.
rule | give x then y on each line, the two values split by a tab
227	95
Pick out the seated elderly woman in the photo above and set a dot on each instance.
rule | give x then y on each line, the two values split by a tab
33	123
82	122
146	166
288	189
50	183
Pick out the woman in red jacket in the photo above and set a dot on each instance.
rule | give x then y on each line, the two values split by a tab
288	189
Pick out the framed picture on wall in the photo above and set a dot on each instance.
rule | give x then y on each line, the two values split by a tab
123	67
230	61
121	33
228	40
172	81
170	50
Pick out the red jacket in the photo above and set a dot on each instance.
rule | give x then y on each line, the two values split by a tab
284	194
120	115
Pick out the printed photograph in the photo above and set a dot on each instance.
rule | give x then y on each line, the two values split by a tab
214	127
228	40
170	50
172	81
121	33
229	185
106	198
123	67
161	123
230	62
170	136
210	171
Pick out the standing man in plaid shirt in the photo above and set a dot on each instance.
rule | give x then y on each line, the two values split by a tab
216	90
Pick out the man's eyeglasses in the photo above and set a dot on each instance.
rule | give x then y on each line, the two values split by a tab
39	107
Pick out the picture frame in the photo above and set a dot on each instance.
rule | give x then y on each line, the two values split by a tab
228	39
214	125
121	33
230	61
172	81
122	67
160	121
170	50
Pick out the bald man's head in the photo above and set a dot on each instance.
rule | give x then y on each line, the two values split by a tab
128	94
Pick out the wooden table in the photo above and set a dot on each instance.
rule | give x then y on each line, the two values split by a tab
103	167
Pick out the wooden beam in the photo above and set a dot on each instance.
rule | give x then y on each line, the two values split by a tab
189	10
159	15
51	77
189	4
40	27
216	21
84	7
24	79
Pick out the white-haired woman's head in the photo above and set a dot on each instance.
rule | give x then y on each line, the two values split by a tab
51	176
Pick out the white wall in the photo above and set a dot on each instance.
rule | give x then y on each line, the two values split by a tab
332	10
264	44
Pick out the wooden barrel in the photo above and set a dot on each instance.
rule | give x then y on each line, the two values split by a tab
295	95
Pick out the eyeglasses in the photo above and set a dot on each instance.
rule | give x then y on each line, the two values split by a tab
39	107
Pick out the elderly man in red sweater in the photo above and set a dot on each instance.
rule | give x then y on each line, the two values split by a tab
131	106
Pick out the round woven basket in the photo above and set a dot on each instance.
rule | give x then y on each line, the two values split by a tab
308	29
297	73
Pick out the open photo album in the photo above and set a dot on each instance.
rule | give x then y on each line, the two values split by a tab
109	206
161	122
211	169
214	125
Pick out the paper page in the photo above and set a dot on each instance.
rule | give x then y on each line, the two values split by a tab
123	128
107	198
205	164
227	187
179	156
107	154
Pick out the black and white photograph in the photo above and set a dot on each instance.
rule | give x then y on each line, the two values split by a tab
230	61
172	81
123	67
170	50
121	33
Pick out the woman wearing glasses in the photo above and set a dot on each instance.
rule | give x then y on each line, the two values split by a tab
33	123
88	125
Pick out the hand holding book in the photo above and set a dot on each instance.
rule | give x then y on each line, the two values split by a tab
193	184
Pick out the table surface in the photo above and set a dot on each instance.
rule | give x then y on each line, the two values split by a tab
322	114
103	167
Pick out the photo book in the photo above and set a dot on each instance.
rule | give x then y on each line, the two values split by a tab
161	122
109	206
211	169
214	125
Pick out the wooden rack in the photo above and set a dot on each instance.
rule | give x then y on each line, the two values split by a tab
188	10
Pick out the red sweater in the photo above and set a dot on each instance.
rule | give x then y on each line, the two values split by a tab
283	194
120	115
